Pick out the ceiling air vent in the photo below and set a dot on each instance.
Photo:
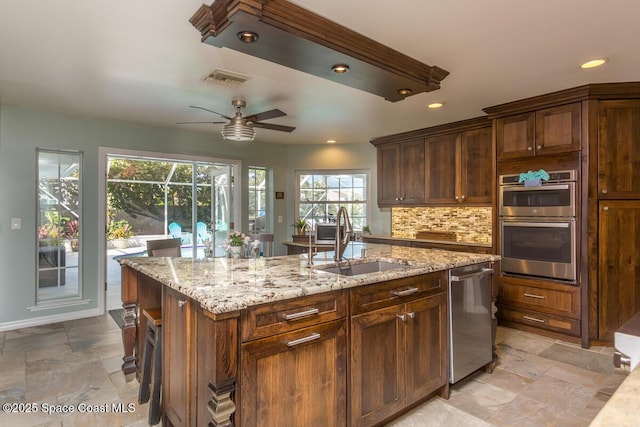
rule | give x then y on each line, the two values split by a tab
226	78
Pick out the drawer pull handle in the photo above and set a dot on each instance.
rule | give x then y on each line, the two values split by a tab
533	296
314	336
300	314
533	319
405	292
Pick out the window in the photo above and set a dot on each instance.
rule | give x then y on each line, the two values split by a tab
58	233
258	183
320	195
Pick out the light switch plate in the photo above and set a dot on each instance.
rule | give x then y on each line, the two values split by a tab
279	219
16	223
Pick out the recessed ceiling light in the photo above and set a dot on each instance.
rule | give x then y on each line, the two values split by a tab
340	68
594	63
331	141
247	36
404	91
435	105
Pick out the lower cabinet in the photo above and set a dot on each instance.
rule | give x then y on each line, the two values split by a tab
297	378
398	354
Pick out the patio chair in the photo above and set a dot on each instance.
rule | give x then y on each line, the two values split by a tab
175	230
164	247
202	232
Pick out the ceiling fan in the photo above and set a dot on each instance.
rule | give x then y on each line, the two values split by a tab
240	128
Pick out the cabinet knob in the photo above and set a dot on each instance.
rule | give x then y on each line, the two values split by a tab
462	197
402	317
411	315
529	148
539	147
181	303
604	191
606	208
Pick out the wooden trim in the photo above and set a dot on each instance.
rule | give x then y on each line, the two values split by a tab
580	93
284	27
448	128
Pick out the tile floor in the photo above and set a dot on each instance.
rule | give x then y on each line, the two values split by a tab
538	381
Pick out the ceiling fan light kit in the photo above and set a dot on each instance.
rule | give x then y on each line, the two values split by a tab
320	44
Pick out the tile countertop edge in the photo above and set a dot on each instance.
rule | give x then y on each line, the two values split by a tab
622	408
223	285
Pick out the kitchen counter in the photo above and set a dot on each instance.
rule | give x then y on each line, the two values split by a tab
622	409
223	285
408	239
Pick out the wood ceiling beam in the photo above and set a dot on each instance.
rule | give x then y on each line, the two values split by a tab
297	38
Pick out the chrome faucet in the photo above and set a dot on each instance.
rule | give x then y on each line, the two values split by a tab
342	241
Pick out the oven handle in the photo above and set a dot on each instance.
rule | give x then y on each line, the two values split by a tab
537	224
542	187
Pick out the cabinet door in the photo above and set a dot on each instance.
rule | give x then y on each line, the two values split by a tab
619	149
176	375
426	346
515	136
476	166
377	365
296	379
619	261
388	174
558	129
442	166
412	189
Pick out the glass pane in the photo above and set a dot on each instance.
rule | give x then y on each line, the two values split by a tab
58	233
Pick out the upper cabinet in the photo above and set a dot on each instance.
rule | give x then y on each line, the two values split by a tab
619	149
551	130
441	166
459	168
401	173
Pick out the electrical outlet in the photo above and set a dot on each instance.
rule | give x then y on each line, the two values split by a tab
279	219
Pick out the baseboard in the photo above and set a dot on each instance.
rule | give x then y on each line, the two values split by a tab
46	320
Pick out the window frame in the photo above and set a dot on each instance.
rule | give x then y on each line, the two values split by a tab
367	192
268	199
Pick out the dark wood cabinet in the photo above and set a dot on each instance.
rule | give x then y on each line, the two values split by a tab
401	173
177	321
618	264
619	149
440	166
546	131
294	362
398	346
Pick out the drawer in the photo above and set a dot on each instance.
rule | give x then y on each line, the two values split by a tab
561	301
285	316
540	320
380	295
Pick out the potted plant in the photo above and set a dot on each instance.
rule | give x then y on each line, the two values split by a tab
119	233
301	225
366	229
71	231
235	244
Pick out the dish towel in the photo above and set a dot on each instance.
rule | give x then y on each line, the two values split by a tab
533	178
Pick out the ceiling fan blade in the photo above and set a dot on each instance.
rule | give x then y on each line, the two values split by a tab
211	111
270	126
265	115
194	123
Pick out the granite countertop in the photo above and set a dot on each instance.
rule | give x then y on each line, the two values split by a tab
622	409
446	242
223	285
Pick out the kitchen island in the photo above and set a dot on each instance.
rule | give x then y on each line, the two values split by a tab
270	341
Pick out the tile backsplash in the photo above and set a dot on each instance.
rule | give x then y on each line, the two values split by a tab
469	224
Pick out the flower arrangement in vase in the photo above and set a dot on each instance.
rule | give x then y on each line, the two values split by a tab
235	243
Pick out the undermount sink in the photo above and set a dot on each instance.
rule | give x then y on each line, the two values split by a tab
364	268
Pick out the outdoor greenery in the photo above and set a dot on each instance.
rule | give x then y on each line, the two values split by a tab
120	229
136	187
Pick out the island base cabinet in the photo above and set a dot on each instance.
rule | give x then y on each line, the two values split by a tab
296	378
398	357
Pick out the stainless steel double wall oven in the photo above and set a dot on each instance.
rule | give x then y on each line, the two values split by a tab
538	226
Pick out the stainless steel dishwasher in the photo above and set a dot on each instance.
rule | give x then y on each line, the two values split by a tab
470	342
